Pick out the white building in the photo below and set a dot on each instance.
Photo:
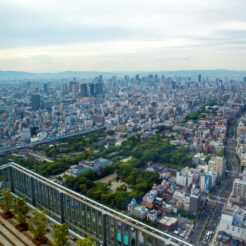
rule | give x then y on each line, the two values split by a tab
239	188
202	183
181	179
214	177
26	135
233	222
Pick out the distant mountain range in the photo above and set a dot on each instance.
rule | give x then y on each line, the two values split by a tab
4	75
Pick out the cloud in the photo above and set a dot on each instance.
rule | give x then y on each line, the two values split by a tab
121	35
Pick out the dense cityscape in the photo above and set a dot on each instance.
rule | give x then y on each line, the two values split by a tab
167	151
122	123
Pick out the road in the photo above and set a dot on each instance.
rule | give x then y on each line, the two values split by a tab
201	224
209	218
48	140
232	166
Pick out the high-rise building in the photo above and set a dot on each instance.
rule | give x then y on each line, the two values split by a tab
75	89
26	135
217	164
181	178
35	102
64	89
199	78
33	130
83	90
46	87
194	200
239	188
99	89
205	182
92	89
156	78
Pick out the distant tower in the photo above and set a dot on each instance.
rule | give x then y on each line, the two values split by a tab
75	89
156	78
35	102
83	90
46	88
92	89
137	78
99	89
64	89
199	78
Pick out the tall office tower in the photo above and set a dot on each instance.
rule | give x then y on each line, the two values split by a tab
64	89
137	78
244	79
99	89
100	78
92	89
194	200
156	78
33	130
199	78
46	88
35	102
83	90
75	89
217	164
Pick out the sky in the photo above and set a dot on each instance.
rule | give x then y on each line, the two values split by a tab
117	35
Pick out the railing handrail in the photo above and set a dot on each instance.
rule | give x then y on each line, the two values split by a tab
99	205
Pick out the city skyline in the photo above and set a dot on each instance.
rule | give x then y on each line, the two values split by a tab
123	36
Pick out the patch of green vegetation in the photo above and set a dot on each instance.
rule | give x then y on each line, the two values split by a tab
221	152
157	150
193	116
143	151
44	168
185	213
216	101
139	181
77	144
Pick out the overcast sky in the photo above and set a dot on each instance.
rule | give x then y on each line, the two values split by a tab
122	35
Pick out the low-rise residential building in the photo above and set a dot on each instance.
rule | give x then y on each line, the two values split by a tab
139	211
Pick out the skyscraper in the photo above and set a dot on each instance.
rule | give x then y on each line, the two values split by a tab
199	78
92	89
75	89
83	90
35	102
46	88
99	89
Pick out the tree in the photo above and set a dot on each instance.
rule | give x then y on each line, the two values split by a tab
20	210
7	201
60	235
38	224
88	241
